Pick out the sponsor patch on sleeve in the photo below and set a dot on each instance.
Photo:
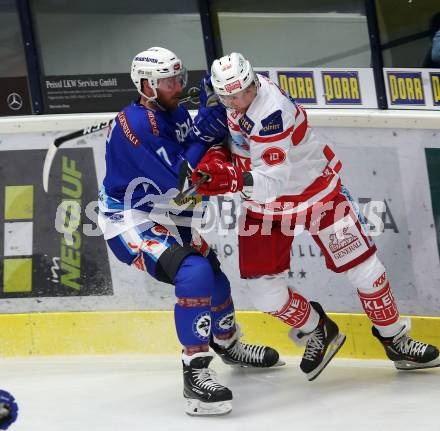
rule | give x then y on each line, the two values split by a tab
153	123
272	124
126	129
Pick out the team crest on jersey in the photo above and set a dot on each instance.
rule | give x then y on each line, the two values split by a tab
272	124
273	156
226	322
202	325
246	124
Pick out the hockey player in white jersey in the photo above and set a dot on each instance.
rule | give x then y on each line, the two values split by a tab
289	179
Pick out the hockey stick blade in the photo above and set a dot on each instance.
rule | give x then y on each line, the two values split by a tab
51	152
50	155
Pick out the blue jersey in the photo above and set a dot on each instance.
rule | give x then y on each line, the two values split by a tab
144	153
151	144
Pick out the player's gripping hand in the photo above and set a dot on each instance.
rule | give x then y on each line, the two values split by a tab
216	153
223	178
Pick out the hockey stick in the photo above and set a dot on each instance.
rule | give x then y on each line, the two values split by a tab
193	97
185	193
50	155
184	176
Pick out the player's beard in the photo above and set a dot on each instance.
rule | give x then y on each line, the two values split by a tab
168	104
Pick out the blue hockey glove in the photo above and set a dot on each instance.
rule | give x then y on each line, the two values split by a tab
207	96
210	125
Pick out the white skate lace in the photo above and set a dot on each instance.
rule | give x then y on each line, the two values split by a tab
315	345
206	378
407	346
247	353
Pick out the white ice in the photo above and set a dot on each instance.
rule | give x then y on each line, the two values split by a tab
140	393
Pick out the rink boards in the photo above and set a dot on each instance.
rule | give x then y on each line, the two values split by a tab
61	299
153	332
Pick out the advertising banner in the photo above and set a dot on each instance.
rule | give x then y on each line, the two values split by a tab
326	88
97	93
14	96
413	88
391	174
37	261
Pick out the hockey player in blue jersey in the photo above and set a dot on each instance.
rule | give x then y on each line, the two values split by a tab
149	146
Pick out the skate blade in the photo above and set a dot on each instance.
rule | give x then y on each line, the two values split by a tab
280	363
199	408
408	365
332	349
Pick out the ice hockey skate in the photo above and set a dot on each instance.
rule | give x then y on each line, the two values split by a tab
406	353
321	345
234	352
204	395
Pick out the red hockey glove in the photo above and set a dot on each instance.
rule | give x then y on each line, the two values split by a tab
218	153
224	178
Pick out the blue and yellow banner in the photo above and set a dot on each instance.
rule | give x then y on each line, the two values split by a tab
341	88
299	85
435	87
406	88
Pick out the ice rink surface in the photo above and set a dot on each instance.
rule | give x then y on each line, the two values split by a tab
140	393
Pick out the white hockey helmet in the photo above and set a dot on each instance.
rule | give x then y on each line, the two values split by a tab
155	64
231	74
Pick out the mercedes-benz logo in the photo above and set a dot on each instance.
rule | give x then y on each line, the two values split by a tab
15	101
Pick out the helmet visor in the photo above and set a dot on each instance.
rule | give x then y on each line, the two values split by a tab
171	82
239	100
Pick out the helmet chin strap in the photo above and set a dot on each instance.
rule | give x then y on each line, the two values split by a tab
154	98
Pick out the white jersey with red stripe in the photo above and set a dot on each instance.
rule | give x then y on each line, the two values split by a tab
291	168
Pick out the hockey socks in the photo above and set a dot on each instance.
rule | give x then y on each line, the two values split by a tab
222	307
370	279
298	313
192	313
